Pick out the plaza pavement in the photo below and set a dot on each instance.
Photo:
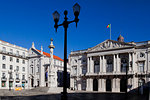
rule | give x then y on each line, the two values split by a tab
54	94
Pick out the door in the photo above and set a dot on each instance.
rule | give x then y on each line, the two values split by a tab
95	85
108	85
123	86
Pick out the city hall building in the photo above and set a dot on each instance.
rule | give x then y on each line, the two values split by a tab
106	66
13	66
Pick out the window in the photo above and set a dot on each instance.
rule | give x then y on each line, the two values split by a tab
11	51
3	83
11	58
141	66
17	68
23	61
3	75
23	77
10	76
23	54
109	65
4	57
3	66
17	60
84	70
23	69
142	54
74	70
17	53
54	62
11	67
17	76
4	49
96	67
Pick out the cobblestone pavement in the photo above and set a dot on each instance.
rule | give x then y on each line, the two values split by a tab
43	94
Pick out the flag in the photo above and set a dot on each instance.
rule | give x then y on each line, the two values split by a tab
108	26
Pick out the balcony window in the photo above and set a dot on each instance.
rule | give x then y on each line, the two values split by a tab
141	66
17	68
23	77
17	53
3	66
3	49
10	76
109	67
23	61
17	76
3	57
96	67
23	54
11	51
17	60
23	69
3	75
11	58
11	67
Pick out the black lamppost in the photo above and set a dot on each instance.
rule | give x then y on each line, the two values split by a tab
56	15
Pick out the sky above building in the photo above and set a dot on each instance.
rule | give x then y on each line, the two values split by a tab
25	21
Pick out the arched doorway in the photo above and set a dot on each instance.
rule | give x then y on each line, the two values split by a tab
123	86
108	85
141	86
95	85
32	82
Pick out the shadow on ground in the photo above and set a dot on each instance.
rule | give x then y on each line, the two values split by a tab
81	96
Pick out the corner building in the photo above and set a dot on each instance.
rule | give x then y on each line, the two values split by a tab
13	66
103	67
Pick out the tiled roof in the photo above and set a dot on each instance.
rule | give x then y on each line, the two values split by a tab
48	55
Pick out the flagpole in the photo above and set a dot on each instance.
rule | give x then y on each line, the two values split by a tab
110	31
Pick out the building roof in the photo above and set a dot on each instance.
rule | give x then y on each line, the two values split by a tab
48	55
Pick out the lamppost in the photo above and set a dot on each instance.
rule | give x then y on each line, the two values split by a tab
56	15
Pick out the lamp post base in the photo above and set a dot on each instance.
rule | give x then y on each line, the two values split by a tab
64	96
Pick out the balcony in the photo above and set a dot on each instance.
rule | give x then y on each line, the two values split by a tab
11	79
17	80
4	79
13	54
23	80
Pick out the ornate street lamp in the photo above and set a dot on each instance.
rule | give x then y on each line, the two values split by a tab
56	15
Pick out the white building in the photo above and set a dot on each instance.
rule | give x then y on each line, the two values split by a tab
45	70
13	66
103	67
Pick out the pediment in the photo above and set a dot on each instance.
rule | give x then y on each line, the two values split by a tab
33	52
110	44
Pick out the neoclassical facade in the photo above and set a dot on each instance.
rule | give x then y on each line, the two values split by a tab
13	66
45	70
107	66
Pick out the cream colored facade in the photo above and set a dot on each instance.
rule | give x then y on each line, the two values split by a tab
103	67
13	66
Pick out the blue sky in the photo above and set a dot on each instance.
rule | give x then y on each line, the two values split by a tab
25	21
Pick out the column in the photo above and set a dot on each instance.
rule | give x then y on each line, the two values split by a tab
118	63
100	85
104	64
114	63
88	64
130	66
103	85
89	86
91	65
133	63
117	85
114	85
100	64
